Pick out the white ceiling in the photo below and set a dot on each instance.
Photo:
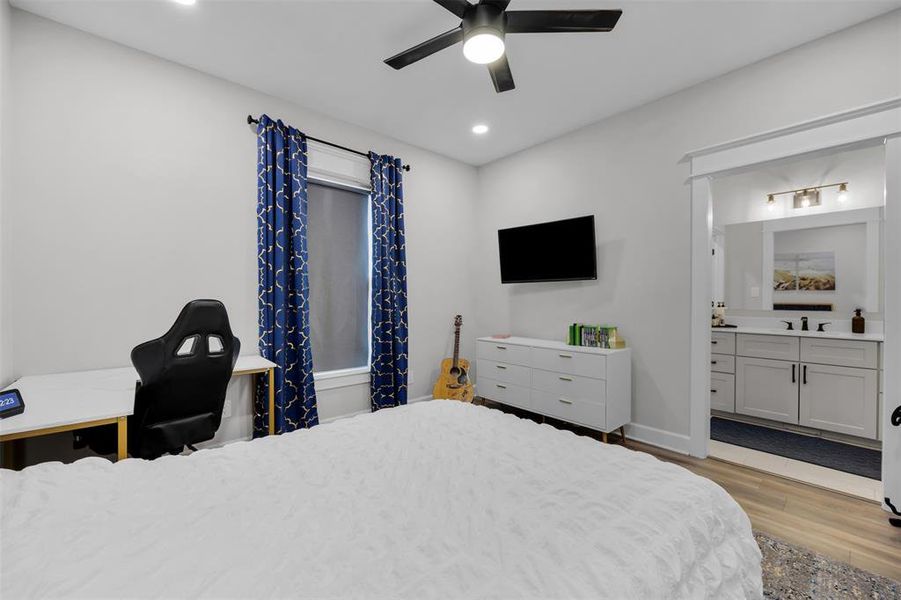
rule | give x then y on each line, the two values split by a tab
327	55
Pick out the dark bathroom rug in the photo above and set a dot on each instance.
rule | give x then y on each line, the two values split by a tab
817	451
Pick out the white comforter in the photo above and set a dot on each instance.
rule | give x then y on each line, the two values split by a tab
435	500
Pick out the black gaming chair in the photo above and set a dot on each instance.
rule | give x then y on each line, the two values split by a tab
184	374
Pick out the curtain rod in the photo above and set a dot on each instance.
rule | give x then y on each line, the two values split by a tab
252	121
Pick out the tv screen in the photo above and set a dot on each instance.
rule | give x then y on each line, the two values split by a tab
555	251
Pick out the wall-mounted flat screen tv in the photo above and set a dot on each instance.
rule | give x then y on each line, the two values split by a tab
555	251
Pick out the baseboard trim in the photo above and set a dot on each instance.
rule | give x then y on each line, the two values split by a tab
667	440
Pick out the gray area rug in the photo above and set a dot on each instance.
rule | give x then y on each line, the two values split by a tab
793	572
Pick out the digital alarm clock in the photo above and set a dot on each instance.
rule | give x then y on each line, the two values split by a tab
11	403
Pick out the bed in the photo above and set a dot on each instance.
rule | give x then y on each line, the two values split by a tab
432	500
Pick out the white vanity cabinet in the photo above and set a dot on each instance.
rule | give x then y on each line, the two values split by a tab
824	383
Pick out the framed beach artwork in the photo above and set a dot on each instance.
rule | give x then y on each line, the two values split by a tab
804	271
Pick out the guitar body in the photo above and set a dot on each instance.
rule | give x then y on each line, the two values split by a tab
453	383
453	379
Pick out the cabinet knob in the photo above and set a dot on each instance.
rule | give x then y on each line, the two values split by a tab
565	355
565	401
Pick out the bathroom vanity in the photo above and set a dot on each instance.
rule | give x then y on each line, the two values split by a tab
828	381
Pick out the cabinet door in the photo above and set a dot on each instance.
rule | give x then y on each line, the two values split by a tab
722	392
842	399
767	388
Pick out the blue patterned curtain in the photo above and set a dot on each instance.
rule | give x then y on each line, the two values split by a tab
283	285
388	375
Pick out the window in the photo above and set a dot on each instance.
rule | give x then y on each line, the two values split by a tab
338	246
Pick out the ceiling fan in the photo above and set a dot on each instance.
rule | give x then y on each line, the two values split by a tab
485	24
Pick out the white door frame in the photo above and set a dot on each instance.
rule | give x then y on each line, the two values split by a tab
875	123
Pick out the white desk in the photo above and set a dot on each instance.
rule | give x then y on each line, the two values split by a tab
70	401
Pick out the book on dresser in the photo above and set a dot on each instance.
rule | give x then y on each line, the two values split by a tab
583	385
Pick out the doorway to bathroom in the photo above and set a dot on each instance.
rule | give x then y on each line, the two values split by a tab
796	281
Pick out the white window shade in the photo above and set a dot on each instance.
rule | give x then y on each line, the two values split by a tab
338	246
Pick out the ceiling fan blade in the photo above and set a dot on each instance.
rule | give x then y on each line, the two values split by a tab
561	21
458	7
427	48
501	76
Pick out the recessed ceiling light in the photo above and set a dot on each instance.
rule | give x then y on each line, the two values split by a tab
186	2
480	129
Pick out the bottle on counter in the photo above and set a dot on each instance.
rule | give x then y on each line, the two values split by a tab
858	323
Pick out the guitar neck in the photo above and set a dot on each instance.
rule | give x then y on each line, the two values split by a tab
456	345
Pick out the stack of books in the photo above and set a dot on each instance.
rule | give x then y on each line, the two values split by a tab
596	336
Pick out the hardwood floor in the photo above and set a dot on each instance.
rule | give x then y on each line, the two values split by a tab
842	527
852	530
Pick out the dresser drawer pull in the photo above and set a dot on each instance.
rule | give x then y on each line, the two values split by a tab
712	362
713	342
562	378
503	387
566	355
565	401
712	391
501	347
500	366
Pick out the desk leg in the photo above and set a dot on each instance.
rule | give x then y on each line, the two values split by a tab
272	401
122	428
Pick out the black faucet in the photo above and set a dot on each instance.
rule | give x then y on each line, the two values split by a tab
804	324
789	326
822	326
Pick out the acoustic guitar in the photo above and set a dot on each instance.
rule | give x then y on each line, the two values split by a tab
453	378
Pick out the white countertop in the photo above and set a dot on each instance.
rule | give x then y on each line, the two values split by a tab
552	344
834	335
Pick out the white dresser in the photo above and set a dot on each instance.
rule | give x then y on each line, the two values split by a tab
586	386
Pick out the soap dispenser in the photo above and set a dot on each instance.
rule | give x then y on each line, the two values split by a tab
858	323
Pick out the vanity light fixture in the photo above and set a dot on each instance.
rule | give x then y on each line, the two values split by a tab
843	192
480	129
809	196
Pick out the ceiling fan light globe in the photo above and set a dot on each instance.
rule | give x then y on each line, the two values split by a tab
483	48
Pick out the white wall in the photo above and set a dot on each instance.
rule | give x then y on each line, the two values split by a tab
134	191
6	370
626	171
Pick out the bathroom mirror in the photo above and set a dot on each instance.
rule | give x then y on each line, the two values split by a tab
772	252
828	263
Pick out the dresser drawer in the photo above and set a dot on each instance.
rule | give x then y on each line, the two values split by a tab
573	410
573	387
842	353
722	343
722	392
570	363
505	393
505	373
504	353
776	347
722	363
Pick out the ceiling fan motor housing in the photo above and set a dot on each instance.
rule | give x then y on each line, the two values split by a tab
484	18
